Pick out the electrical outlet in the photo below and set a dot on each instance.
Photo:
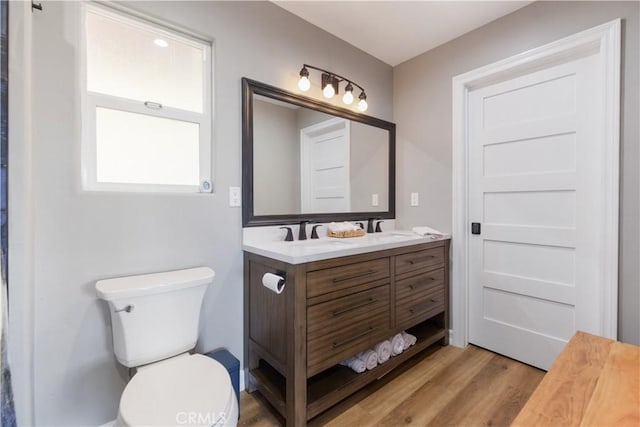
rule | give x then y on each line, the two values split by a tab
414	199
375	200
235	198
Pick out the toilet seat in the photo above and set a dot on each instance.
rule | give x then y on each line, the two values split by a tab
189	390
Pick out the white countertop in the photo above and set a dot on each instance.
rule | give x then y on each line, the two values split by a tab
301	251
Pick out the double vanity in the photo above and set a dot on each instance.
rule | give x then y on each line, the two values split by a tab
312	304
341	296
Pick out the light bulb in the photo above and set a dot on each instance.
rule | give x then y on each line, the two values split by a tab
348	94
304	84
328	91
347	98
362	105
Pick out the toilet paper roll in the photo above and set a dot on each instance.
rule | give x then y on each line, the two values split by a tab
273	282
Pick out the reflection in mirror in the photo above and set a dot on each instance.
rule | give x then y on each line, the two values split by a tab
306	161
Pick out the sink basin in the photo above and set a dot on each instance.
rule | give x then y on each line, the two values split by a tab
319	245
379	237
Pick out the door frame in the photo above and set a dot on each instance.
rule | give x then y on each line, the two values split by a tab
603	40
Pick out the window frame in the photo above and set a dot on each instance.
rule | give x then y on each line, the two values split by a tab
90	101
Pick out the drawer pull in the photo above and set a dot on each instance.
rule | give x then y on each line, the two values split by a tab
418	260
414	286
353	338
354	276
418	308
422	307
415	309
353	307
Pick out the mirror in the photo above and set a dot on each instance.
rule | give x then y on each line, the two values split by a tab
306	160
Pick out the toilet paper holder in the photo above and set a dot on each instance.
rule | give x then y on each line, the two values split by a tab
275	282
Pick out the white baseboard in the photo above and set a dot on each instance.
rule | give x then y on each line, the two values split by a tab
242	387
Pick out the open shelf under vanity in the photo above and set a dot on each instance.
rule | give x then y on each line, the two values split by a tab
296	340
338	382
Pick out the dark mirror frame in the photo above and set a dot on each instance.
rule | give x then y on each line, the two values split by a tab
251	88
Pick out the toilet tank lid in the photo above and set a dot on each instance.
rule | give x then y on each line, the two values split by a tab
143	284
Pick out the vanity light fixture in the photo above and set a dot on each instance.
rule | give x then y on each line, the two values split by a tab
331	85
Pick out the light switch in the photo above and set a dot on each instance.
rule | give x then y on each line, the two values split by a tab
414	199
235	198
374	199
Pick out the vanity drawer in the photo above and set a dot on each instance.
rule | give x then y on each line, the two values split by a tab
337	278
411	310
421	284
418	260
344	313
329	350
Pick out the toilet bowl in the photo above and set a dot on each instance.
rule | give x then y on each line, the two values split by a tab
154	319
184	391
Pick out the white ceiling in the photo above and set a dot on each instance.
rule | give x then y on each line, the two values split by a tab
395	31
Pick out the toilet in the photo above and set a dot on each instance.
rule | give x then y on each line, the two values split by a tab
154	320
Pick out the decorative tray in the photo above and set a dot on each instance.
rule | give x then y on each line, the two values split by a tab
349	233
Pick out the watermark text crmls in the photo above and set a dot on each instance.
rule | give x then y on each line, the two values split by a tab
194	418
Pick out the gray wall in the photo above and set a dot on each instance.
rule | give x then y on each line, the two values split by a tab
80	237
422	111
307	117
369	167
276	159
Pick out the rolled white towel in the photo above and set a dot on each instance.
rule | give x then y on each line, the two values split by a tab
356	364
384	351
369	357
397	344
409	339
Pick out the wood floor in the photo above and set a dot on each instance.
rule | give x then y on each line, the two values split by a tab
450	387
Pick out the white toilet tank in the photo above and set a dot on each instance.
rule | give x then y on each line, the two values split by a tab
155	316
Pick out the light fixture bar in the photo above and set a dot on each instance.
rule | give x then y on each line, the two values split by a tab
330	85
341	78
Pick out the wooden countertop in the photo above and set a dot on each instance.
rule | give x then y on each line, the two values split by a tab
594	382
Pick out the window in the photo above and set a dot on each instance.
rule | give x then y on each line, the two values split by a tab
146	106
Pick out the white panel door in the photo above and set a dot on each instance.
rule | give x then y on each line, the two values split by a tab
535	187
324	167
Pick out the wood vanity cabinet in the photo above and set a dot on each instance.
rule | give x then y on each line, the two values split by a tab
332	309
